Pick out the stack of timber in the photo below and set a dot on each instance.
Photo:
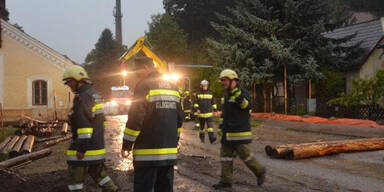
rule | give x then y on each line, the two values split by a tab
316	149
41	128
16	145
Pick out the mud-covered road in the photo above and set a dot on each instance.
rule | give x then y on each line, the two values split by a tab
199	165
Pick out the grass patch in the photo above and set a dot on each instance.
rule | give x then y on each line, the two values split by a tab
256	123
4	133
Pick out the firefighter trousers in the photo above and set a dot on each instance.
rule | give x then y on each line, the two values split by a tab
229	152
197	122
153	179
209	122
77	174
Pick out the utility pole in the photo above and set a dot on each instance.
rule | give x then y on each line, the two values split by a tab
118	30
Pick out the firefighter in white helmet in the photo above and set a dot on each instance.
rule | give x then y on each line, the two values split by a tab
235	130
86	154
205	105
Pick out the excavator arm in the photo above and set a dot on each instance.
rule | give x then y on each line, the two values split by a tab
160	65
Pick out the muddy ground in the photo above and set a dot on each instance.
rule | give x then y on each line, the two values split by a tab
199	165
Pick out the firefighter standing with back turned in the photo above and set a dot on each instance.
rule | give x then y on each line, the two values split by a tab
236	131
86	154
187	106
154	123
205	105
195	114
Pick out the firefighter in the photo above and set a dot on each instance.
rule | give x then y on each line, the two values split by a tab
236	131
205	105
152	130
86	154
195	114
187	105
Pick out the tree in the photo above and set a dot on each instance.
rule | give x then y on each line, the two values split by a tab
373	6
167	39
102	63
259	38
194	17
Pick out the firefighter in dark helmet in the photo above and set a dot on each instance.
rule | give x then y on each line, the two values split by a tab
236	131
154	123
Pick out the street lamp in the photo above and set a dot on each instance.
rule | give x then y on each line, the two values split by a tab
124	73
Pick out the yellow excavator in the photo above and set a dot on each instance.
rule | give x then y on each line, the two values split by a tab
143	45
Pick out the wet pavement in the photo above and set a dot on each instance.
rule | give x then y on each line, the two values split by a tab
199	165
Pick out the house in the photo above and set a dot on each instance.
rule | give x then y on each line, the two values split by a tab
31	77
371	36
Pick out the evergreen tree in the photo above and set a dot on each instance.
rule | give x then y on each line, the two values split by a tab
264	36
102	63
167	39
373	6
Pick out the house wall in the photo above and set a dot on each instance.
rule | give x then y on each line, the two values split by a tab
19	67
374	63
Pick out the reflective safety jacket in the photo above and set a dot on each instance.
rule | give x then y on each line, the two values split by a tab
205	102
87	125
154	122
236	127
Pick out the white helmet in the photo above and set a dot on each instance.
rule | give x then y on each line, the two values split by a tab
204	82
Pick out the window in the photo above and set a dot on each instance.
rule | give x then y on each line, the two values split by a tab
40	92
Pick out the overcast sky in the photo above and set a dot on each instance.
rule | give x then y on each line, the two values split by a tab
72	27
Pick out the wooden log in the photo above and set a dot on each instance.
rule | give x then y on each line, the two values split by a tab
64	129
48	138
56	141
16	149
10	144
307	150
28	145
5	142
24	158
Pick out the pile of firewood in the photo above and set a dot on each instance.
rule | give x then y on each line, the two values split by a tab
38	128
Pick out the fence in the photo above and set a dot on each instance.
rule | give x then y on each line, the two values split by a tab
296	106
299	106
355	112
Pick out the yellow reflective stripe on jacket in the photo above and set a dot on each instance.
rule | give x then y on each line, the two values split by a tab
210	129
214	106
163	92
90	155
236	94
88	152
239	134
132	132
179	130
196	105
204	96
206	114
162	151
85	130
97	107
244	104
